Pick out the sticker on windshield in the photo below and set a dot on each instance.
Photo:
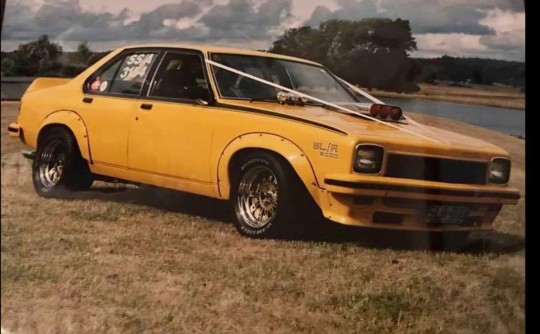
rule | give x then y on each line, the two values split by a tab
136	66
103	86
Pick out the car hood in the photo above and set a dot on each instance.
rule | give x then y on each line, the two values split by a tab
361	127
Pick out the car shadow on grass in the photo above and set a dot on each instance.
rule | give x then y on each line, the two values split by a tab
475	243
318	230
157	198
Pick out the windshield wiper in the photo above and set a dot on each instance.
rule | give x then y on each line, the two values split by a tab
315	104
322	105
263	99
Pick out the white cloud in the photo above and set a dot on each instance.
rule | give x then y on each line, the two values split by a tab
509	29
303	9
482	28
116	6
433	45
462	45
507	41
503	20
186	23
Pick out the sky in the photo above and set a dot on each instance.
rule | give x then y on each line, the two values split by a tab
462	28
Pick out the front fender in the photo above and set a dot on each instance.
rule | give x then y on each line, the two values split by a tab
75	123
271	142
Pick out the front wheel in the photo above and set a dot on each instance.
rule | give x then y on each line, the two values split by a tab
59	166
263	196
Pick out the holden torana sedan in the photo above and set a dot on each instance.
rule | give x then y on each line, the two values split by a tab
280	137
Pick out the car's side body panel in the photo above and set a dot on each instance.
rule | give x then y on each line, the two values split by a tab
172	139
189	146
44	82
107	119
37	105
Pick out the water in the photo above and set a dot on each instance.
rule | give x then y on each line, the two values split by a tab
511	121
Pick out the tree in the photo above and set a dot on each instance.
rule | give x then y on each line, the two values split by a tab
303	42
373	53
96	57
477	75
474	70
82	56
42	58
35	58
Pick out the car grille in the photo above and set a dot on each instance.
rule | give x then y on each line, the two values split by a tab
436	169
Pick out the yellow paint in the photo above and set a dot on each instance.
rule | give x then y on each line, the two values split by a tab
107	120
74	122
171	139
189	147
270	142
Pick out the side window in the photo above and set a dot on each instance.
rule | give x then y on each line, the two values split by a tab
125	76
180	76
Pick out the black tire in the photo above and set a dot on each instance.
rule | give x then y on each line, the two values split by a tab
58	165
266	196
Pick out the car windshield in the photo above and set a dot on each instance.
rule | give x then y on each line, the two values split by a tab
308	79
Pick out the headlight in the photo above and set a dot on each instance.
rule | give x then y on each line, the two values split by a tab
368	159
499	171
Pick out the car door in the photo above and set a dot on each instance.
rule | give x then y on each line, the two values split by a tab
171	128
110	95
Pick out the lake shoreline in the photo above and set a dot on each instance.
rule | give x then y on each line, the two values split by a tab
504	120
490	96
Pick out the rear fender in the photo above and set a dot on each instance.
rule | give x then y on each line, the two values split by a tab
42	83
74	122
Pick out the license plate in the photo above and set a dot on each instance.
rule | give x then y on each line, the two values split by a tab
446	214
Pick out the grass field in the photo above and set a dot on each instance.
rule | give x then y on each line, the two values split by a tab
121	259
493	96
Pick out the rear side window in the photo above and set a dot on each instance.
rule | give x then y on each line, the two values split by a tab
180	76
125	76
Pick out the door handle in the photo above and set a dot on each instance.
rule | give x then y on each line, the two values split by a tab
88	99
146	106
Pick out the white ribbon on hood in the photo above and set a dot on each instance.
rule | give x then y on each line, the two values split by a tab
247	75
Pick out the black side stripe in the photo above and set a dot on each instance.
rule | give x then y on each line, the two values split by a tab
275	114
421	190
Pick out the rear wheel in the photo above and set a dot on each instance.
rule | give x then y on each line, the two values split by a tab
58	165
266	196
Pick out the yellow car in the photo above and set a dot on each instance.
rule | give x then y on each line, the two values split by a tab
275	135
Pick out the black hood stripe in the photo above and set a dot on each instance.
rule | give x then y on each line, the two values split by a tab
279	115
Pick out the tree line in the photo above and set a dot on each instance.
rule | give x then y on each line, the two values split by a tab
371	53
471	71
45	58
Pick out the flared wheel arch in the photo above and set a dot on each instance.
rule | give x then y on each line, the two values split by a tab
278	146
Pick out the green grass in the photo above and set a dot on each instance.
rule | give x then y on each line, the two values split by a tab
152	261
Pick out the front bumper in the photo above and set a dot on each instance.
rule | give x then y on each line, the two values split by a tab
392	203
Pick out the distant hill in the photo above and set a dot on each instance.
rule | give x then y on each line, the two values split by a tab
471	70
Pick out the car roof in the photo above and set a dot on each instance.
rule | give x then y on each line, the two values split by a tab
219	49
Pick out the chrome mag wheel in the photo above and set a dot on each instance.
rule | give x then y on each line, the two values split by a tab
52	162
257	200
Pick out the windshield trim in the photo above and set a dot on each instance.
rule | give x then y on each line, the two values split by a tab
332	75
